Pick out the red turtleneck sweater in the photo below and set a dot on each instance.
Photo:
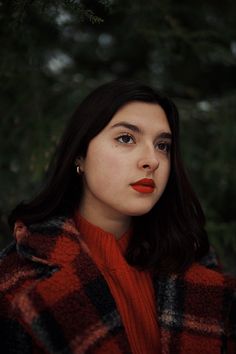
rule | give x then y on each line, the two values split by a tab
132	289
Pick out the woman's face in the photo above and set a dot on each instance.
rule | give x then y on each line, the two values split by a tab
127	165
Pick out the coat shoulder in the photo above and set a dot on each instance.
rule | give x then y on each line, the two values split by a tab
15	272
14	269
202	275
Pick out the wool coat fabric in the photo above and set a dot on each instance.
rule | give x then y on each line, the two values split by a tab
53	299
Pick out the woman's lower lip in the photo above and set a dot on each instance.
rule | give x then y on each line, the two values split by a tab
142	188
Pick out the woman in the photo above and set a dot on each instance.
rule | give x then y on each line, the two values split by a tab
112	255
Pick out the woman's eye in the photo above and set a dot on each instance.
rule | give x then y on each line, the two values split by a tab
164	147
125	139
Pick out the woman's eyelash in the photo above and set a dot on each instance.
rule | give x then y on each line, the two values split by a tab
164	146
125	139
129	139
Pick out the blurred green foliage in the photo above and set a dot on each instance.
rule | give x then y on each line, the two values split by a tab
54	52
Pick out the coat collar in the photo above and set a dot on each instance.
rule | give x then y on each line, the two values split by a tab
53	242
57	240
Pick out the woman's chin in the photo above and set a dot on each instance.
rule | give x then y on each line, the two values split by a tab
139	212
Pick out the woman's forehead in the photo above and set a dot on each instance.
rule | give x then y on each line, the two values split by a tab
141	115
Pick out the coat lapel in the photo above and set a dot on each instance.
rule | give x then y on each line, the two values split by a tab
69	308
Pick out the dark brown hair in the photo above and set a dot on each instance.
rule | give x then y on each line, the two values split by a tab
168	238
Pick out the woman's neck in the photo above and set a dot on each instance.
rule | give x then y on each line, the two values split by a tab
114	224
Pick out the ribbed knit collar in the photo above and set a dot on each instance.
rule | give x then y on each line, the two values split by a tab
106	250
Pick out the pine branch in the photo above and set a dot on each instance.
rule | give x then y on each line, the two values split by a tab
20	9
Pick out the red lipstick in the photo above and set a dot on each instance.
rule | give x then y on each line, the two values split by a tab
145	185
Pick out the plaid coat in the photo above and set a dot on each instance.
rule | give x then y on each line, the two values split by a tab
55	300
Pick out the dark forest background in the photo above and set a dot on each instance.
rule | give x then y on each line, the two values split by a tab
54	52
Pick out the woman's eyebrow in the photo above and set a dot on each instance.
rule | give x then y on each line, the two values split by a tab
165	135
134	128
130	126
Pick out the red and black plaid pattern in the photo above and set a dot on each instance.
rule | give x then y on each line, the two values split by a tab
55	300
193	312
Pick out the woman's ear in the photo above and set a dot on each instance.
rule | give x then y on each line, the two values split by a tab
79	162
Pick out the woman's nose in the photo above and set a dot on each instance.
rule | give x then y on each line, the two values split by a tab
149	162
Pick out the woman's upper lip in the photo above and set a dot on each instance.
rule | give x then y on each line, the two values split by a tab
145	182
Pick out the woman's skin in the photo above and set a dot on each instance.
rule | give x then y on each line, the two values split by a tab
121	155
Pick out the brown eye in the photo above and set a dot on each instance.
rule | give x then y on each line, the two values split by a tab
125	139
164	147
